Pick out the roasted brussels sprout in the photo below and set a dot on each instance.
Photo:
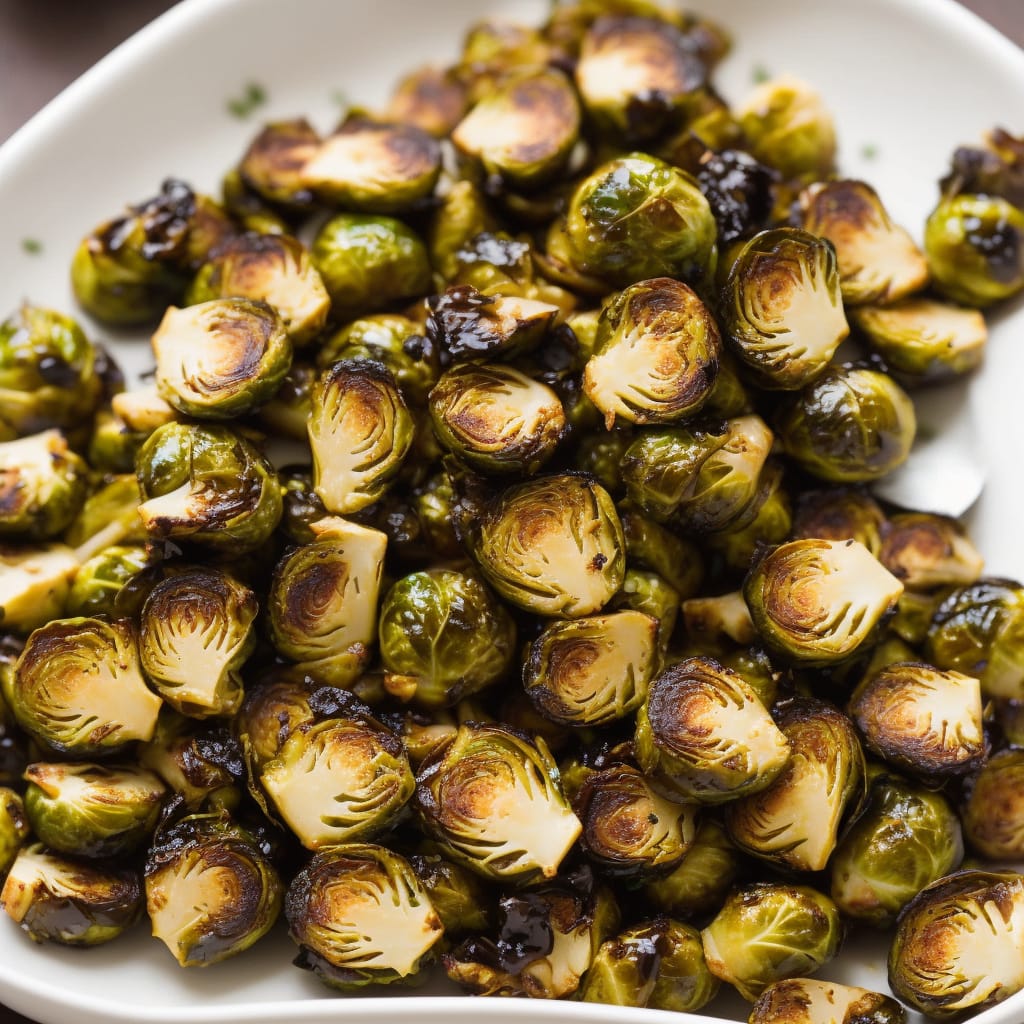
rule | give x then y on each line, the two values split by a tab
553	546
648	593
493	800
921	719
195	634
656	355
496	418
92	810
69	901
703	729
272	165
99	580
817	601
443	637
432	99
768	932
975	249
958	945
994	815
368	263
275	269
207	484
795	821
806	1001
460	898
360	916
926	551
782	309
840	513
360	430
593	670
322	602
676	559
658	964
14	827
878	260
906	838
42	486
34	584
78	688
211	891
767	520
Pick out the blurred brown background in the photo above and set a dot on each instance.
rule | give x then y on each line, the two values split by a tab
45	44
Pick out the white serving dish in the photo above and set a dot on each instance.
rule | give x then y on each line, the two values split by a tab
909	78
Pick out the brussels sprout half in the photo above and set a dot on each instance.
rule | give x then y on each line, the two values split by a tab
272	165
926	551
994	814
806	1001
840	513
433	99
42	486
34	584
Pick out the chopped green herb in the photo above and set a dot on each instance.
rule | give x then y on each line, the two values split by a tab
32	246
340	99
760	74
253	97
869	151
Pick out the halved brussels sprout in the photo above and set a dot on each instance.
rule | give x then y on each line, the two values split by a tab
496	418
360	430
195	634
817	601
461	899
593	670
523	130
72	902
806	1001
979	630
637	217
926	551
676	559
959	944
275	269
322	602
443	637
14	828
207	484
923	340
374	166
99	580
840	513
704	730
78	687
906	838
493	800
629	831
795	821
433	99
788	127
211	891
368	263
975	249
878	260
42	486
92	810
767	932
34	584
922	719
272	165
994	816
658	964
360	916
656	355
782	307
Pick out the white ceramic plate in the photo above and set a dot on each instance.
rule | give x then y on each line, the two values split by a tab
909	79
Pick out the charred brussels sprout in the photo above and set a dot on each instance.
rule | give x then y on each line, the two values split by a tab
975	249
840	513
460	898
878	260
703	728
72	902
78	687
817	601
553	546
92	810
211	891
656	354
635	218
926	551
994	815
42	486
99	580
207	484
367	263
921	719
360	430
34	584
959	942
766	933
272	165
796	820
593	670
906	838
782	307
497	419
432	99
806	1001
323	600
196	632
443	637
275	269
658	964
493	800
360	916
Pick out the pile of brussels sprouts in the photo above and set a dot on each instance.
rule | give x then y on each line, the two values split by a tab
565	646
